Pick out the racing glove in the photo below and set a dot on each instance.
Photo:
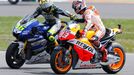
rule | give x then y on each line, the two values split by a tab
73	17
94	38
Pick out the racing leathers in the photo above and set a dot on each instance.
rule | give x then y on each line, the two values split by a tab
93	22
52	18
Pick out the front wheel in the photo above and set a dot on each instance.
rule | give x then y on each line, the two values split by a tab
13	59
60	63
116	67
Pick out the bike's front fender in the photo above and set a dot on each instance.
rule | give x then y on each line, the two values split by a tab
21	45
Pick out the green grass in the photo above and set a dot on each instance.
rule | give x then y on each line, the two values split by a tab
6	25
126	39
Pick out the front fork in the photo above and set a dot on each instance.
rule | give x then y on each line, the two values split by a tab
27	50
66	54
21	47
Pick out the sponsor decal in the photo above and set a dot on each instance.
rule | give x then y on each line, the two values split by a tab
85	46
20	27
88	65
82	45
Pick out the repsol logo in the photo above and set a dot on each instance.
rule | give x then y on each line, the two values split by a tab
84	46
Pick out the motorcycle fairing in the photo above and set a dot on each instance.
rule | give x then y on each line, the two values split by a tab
86	65
83	48
40	58
74	28
69	32
66	35
21	27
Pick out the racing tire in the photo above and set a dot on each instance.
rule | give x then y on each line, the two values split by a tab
56	61
115	68
13	59
13	1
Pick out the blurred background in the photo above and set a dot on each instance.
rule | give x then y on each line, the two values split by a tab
98	1
112	12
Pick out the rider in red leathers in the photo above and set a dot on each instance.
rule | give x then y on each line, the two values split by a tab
93	22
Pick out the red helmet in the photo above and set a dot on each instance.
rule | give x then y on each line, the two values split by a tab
78	6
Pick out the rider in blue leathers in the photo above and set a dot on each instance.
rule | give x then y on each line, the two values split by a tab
51	14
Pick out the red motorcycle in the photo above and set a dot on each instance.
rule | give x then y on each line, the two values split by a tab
79	53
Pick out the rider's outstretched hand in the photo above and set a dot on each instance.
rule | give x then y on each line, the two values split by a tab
94	38
73	17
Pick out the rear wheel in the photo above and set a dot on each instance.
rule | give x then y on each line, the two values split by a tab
116	67
59	64
13	59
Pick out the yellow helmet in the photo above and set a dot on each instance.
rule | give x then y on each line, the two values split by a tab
45	5
42	1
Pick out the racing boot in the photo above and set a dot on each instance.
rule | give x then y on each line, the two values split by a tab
101	48
104	54
50	37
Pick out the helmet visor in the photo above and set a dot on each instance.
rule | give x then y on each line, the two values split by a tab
46	7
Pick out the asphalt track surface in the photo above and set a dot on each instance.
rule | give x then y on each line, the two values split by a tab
45	69
107	10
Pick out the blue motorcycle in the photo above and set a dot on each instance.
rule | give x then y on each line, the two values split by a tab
30	46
